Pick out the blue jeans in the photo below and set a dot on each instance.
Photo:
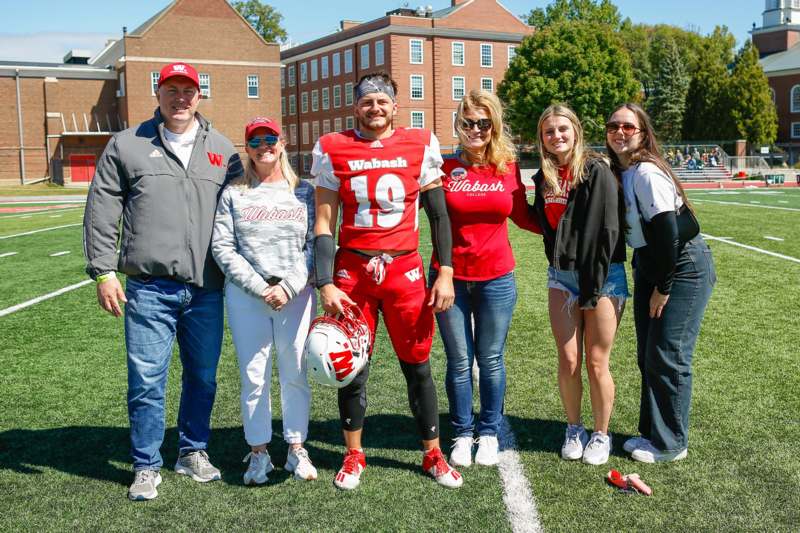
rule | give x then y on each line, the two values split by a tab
158	311
476	327
665	346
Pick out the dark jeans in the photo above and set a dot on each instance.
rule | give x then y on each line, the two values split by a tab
665	346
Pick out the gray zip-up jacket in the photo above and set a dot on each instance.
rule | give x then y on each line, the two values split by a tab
167	210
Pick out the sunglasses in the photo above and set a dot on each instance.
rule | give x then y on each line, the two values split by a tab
626	127
269	140
484	124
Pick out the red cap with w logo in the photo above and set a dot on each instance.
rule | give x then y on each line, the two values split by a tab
179	69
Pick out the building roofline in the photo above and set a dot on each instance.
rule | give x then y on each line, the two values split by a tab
42	70
145	26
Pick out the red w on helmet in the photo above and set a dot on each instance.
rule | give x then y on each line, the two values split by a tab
338	347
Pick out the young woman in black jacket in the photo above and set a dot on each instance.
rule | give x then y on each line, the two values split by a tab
579	208
672	282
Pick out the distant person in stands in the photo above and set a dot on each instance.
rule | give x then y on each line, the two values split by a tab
483	189
673	278
578	202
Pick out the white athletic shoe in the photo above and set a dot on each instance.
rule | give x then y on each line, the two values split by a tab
144	485
297	461
260	465
434	464
575	440
633	443
461	453
487	451
349	476
196	465
598	449
647	453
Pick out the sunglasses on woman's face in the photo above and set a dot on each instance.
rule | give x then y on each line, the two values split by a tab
626	127
269	140
484	124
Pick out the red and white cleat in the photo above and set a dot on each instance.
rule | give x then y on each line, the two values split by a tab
348	476
434	464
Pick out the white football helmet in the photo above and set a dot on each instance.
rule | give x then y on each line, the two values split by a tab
338	347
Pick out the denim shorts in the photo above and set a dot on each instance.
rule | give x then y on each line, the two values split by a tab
616	285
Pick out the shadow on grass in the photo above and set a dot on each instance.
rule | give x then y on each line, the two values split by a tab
89	451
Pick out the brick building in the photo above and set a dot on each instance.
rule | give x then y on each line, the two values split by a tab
55	119
435	57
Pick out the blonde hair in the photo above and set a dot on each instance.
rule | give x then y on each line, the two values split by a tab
577	157
250	179
500	150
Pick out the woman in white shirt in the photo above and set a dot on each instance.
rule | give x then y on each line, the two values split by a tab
263	242
673	278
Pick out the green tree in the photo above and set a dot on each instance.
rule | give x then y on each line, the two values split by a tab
265	19
580	63
708	116
600	11
752	109
667	102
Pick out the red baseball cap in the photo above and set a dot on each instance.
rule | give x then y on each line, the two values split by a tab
179	69
261	122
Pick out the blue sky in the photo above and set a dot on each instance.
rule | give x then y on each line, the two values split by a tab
44	30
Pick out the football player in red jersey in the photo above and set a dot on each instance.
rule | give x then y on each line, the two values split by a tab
379	174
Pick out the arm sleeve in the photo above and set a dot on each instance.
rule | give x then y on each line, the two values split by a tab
601	234
224	249
664	248
432	162
522	213
324	250
104	205
433	201
322	169
303	271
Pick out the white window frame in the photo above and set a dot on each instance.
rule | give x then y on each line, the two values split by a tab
364	57
292	104
348	94
304	102
337	124
795	125
349	122
411	43
323	67
303	72
336	68
154	77
326	98
490	48
304	132
121	83
419	115
453	47
290	75
337	96
314	71
490	84
411	80
512	51
314	100
455	133
348	61
307	162
204	93
459	92
293	133
794	107
326	126
283	106
283	79
252	82
379	53
315	130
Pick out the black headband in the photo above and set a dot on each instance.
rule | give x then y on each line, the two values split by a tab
374	84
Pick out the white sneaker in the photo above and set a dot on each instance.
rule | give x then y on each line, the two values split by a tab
434	464
297	461
461	453
575	439
598	449
487	451
196	465
349	476
633	443
647	453
260	465
144	485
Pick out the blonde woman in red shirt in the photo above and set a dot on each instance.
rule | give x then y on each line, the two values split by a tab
483	189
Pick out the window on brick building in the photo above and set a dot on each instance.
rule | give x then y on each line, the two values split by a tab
348	61
459	87
323	67
326	98
337	96
379	59
292	104
417	87
512	51
417	119
205	85
772	94
326	126
457	54
795	130
252	85
335	61
154	77
455	133
304	131
314	100
293	133
283	79
337	124
795	99
303	72
487	84
315	131
364	57
304	102
349	123
283	106
415	51
314	70
307	162
486	55
290	75
121	84
348	94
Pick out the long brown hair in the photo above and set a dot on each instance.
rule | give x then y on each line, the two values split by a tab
500	150
580	152
649	151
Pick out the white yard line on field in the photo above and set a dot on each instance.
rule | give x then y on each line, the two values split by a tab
59	292
773	238
8	254
55	216
62	200
747	205
57	254
753	248
520	505
44	212
39	231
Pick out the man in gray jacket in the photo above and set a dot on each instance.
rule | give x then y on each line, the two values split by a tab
162	179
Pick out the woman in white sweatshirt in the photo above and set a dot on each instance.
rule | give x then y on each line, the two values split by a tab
263	242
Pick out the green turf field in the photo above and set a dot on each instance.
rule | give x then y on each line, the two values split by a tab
64	436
